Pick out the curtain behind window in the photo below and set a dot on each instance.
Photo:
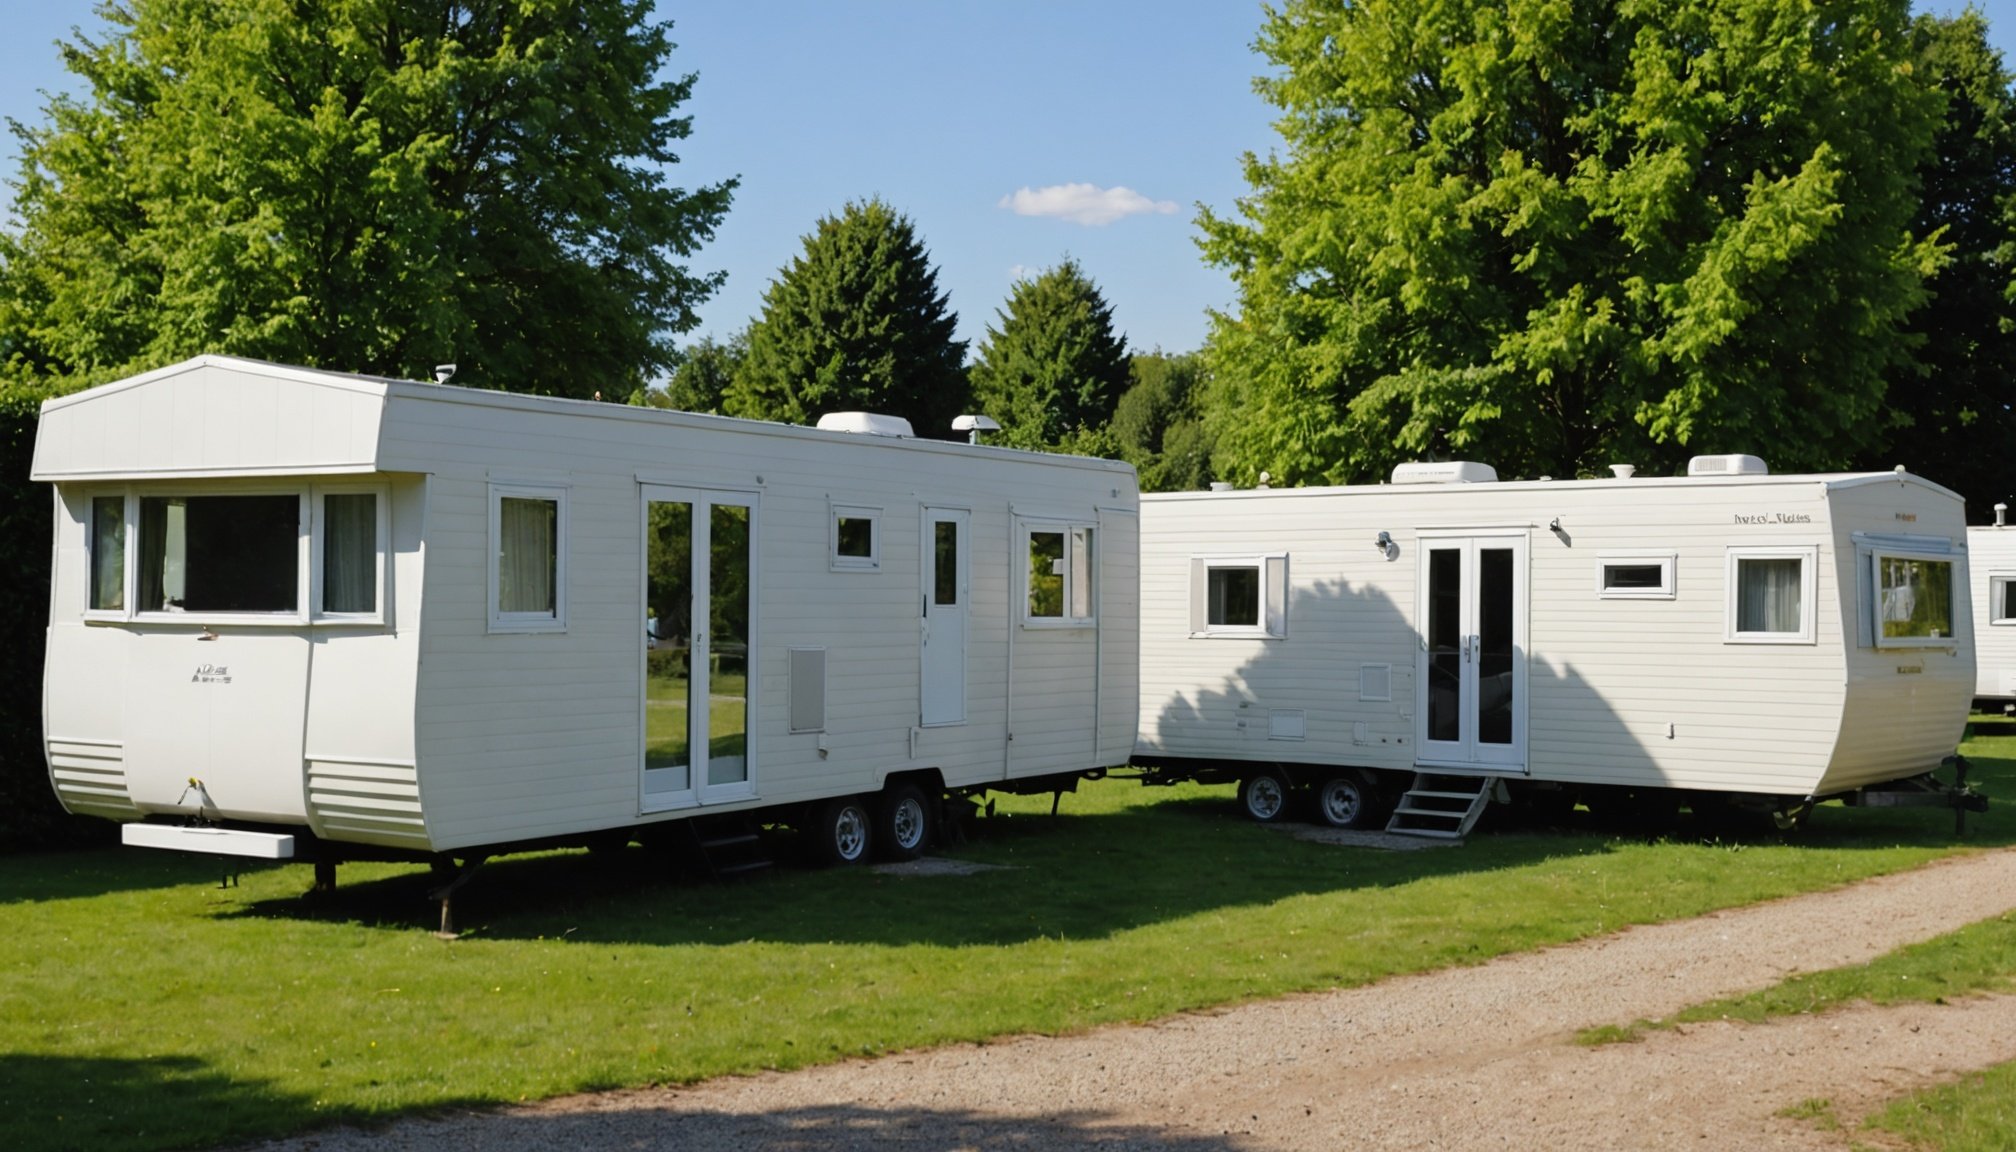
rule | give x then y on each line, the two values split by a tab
350	552
108	553
526	554
1767	595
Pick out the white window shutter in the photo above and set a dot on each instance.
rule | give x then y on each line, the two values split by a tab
1200	589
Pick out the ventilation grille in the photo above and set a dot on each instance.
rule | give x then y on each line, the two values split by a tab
1375	682
366	802
90	778
1736	465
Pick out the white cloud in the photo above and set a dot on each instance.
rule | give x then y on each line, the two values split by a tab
1019	272
1086	204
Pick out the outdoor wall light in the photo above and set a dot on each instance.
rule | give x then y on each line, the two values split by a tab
1386	546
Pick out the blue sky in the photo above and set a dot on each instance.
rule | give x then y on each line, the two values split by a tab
1014	134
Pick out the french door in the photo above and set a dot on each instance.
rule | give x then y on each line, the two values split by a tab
699	567
1472	675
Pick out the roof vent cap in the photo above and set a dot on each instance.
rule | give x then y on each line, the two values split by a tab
867	424
1735	465
1445	472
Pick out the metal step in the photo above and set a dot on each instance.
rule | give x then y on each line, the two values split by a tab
1439	799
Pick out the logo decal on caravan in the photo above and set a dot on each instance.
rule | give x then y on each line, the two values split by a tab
211	674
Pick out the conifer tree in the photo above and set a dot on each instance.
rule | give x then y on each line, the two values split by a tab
1052	369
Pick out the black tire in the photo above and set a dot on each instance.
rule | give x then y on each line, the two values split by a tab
906	822
1346	800
1264	795
842	831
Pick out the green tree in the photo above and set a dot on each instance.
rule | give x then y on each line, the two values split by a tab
1558	233
1158	427
367	185
1955	423
705	373
855	323
1054	367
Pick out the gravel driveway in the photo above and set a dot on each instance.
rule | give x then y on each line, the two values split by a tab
1462	1058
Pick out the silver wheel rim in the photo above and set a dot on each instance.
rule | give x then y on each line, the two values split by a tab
907	822
1264	797
850	833
1341	802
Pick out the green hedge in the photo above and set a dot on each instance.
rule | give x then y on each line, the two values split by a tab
29	814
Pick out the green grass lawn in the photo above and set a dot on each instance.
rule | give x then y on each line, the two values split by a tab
145	1007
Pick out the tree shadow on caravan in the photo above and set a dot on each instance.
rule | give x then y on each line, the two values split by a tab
893	1128
63	1102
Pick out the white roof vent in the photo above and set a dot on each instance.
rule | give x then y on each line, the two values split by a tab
1727	466
1445	472
867	423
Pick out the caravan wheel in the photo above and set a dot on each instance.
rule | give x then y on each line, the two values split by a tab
1345	802
904	824
1264	795
842	835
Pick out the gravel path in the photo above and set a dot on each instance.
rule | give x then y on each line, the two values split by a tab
1461	1058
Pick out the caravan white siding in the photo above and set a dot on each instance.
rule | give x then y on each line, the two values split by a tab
1644	688
1992	559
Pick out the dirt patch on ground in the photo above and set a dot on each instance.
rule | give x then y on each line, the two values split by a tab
1463	1058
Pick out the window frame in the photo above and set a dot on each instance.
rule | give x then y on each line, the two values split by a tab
835	562
1809	583
1668	564
1026	530
1998	583
303	558
129	527
1875	606
1271	626
515	623
318	552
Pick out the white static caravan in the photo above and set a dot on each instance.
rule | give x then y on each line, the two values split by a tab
417	619
1632	643
1991	552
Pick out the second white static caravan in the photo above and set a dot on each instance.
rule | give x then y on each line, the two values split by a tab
1631	643
1991	553
421	619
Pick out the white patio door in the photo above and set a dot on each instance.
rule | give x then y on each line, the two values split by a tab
1472	674
699	623
946	569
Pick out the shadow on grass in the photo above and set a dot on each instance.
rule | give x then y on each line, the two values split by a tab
858	1126
76	875
58	1102
1062	877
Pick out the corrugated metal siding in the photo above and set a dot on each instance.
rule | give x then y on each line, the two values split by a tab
366	803
90	778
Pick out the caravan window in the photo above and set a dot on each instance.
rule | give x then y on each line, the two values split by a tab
528	558
1914	600
1060	575
1239	595
1635	577
108	554
350	540
220	553
1771	595
2002	599
857	539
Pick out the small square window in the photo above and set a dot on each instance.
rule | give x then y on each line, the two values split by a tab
1239	595
1635	577
1914	600
2002	598
857	539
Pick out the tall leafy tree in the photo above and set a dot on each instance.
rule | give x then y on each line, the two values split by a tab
1052	368
1956	423
1558	233
1158	427
855	323
706	371
370	185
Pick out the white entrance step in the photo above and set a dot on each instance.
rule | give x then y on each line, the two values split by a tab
1443	806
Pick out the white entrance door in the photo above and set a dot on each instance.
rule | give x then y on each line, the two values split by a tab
1472	674
946	568
699	623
